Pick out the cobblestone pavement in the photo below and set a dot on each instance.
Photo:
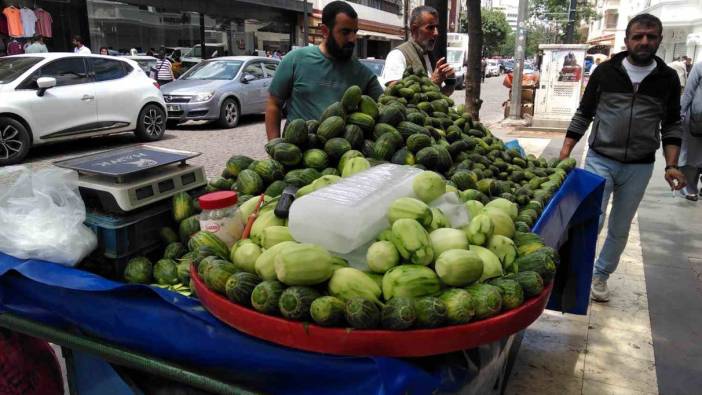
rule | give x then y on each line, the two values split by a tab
217	145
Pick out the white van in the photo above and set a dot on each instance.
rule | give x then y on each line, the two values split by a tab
457	55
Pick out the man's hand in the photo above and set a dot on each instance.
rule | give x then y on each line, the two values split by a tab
442	71
568	144
273	116
675	179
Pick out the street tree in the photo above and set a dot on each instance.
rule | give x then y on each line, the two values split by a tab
475	50
495	30
556	12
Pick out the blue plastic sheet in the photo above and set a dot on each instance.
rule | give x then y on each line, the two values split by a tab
176	328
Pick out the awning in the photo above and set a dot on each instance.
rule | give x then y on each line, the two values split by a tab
603	40
379	36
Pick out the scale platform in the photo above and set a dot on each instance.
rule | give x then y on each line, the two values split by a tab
130	178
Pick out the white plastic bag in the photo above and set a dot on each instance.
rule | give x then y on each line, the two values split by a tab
42	214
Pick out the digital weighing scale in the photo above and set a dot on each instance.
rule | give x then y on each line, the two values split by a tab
127	179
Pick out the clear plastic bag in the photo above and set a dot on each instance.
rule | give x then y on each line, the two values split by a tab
42	215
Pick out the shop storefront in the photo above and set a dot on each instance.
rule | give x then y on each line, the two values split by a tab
55	20
230	27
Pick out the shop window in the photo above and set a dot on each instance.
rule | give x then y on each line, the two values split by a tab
108	69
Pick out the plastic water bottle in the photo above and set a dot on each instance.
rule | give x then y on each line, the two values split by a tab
352	212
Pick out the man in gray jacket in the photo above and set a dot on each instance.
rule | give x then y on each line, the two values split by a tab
634	99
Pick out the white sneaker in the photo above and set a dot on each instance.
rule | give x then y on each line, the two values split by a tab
599	291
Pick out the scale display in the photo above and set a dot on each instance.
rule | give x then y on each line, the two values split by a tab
126	161
130	178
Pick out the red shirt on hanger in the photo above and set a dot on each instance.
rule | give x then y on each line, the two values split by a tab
44	21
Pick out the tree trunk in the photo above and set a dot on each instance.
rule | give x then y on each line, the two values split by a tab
475	49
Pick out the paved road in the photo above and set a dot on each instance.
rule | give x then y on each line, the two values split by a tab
217	145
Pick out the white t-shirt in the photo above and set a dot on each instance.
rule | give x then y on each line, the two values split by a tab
82	50
638	73
395	66
29	20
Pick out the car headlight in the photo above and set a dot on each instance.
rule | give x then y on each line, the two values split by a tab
200	97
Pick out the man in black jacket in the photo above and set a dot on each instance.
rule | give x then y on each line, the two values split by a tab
634	99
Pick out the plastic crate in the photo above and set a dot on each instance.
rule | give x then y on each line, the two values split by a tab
121	236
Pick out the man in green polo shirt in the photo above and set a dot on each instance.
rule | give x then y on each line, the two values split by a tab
310	79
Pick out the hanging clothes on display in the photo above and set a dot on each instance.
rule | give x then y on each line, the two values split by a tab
44	21
14	47
14	21
29	21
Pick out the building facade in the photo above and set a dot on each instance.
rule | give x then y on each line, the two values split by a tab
233	27
509	7
380	24
682	26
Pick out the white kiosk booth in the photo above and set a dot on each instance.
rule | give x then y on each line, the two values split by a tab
560	85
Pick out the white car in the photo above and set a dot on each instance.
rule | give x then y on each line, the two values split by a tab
492	68
52	97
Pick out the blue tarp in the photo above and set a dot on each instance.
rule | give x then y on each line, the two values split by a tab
176	328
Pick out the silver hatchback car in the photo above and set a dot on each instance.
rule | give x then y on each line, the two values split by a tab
220	89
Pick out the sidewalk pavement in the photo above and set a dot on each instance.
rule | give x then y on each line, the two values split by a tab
646	340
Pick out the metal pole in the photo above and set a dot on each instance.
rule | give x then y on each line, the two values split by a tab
120	356
306	24
203	47
570	28
515	110
407	12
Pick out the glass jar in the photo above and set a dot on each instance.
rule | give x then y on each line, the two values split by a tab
221	216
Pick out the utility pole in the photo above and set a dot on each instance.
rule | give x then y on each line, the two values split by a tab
305	23
515	110
203	47
406	25
440	46
570	27
475	50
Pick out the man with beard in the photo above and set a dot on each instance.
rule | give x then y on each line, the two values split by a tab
416	53
634	99
310	79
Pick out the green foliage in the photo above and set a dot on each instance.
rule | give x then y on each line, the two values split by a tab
495	30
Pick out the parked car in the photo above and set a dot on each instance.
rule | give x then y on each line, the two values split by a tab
376	66
508	66
220	89
52	97
492	68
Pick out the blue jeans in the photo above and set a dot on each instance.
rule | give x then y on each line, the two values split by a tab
627	183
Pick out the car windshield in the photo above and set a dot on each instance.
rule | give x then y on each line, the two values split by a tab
214	70
453	56
11	68
375	67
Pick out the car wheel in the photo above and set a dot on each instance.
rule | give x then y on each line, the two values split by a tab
151	124
14	141
229	114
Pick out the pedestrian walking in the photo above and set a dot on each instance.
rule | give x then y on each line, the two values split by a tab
691	150
681	68
310	79
79	46
104	51
417	52
163	71
483	67
634	100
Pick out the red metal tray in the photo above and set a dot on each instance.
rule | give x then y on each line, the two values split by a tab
343	341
